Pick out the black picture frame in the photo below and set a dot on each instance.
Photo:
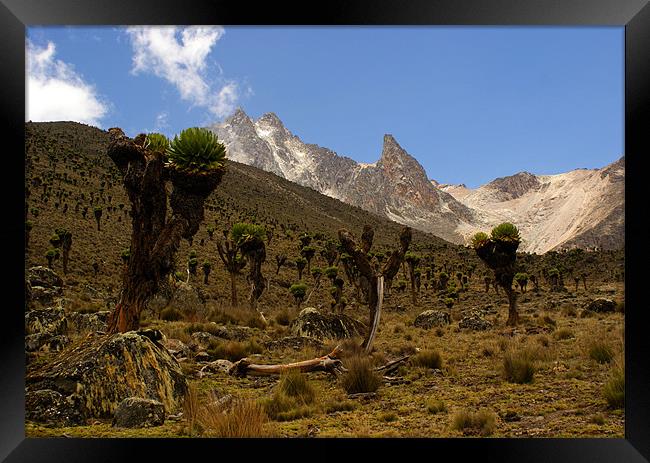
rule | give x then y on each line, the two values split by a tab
16	15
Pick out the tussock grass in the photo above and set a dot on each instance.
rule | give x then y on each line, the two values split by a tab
234	350
246	418
429	358
482	422
614	389
435	406
360	376
518	365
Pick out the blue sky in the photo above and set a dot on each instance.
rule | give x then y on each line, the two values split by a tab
470	103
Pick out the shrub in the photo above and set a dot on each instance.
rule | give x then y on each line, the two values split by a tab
436	406
360	376
614	389
196	150
427	359
518	366
171	314
482	422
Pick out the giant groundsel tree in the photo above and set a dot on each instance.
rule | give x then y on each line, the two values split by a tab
194	164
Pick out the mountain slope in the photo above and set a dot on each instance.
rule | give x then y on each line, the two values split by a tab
578	208
583	207
395	187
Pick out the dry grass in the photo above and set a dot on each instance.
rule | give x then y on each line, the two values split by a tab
482	422
360	376
428	359
244	418
518	365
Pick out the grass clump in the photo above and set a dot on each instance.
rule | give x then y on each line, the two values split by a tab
518	366
360	377
600	350
482	422
283	317
563	334
388	417
233	350
429	358
245	418
436	406
171	314
292	398
614	389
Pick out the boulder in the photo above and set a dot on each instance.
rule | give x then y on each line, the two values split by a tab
50	320
474	321
136	412
601	305
51	407
44	277
46	296
83	322
311	323
101	371
218	366
430	318
183	297
45	342
176	347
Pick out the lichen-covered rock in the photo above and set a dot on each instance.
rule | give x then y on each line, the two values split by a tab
51	407
101	371
601	305
474	321
183	297
45	342
201	339
51	321
311	323
83	322
430	318
176	347
44	277
218	366
45	296
136	412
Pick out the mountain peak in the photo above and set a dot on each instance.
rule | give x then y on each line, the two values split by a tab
239	117
271	119
515	185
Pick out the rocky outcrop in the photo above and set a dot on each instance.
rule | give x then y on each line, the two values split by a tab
84	322
99	372
430	318
45	330
45	285
474	321
311	323
136	412
52	407
601	305
218	366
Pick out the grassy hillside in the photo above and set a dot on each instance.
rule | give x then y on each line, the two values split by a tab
454	371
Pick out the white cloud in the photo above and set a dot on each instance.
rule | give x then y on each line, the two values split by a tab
180	56
162	121
55	92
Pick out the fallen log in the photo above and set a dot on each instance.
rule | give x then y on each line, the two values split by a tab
328	363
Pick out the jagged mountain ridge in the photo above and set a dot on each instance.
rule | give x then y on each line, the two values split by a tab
397	187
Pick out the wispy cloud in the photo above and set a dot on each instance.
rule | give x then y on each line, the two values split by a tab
55	92
180	56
